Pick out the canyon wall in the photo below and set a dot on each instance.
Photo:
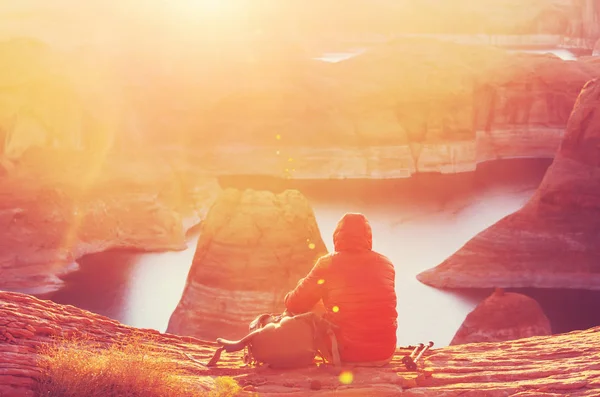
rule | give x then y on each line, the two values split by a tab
406	106
52	217
553	240
413	105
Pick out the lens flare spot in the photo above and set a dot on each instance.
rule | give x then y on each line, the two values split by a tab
346	377
321	281
278	137
335	309
311	246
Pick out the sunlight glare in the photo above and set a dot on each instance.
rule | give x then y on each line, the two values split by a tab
201	5
207	11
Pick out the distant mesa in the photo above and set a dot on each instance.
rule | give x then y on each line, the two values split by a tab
406	106
255	246
503	316
553	241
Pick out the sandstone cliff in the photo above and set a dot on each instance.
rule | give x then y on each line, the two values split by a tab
553	241
51	217
503	316
411	105
539	366
254	248
405	106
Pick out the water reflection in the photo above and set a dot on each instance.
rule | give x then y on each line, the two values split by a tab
138	289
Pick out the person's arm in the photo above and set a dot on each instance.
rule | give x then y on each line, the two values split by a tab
309	290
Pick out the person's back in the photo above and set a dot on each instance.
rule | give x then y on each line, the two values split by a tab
357	286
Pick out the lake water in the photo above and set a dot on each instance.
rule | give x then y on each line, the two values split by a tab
417	223
343	55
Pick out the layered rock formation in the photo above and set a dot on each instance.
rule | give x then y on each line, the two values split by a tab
409	105
405	106
540	366
412	105
50	218
554	240
254	248
503	316
523	106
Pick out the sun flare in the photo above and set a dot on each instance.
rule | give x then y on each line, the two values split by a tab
196	7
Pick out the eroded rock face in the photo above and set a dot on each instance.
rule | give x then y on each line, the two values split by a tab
554	364
503	316
411	105
554	240
254	248
51	218
523	105
408	105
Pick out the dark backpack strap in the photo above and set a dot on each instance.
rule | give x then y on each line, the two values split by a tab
322	325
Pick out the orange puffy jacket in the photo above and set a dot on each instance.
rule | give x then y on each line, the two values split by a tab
357	286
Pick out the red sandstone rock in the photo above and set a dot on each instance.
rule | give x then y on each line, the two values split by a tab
503	316
404	106
554	240
254	248
410	105
538	366
523	105
51	217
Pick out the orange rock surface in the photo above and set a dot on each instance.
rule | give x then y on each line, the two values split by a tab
51	216
503	316
254	247
539	366
553	240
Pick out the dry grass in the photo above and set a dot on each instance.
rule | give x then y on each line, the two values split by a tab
83	368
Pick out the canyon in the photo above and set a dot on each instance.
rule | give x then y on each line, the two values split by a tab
411	105
553	240
97	155
53	217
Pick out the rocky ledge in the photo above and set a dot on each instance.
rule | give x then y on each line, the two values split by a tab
254	248
51	218
501	317
553	241
538	366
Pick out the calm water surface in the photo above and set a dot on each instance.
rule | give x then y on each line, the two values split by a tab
334	57
416	222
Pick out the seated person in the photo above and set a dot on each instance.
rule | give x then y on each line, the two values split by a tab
357	288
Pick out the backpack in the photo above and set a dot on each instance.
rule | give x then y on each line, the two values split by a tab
284	341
